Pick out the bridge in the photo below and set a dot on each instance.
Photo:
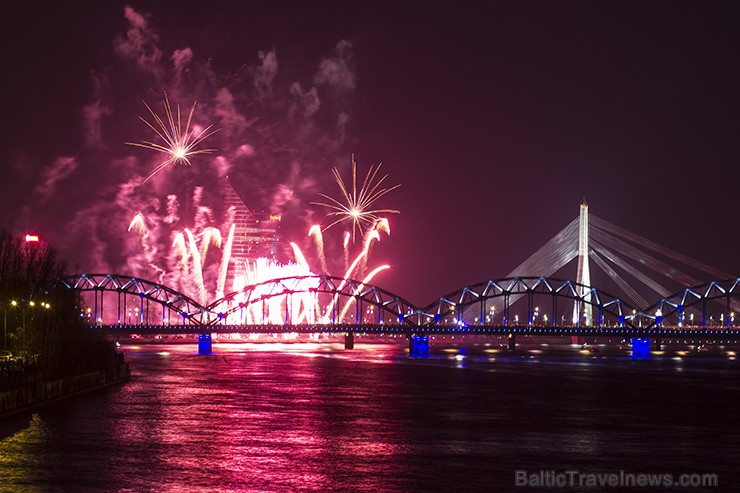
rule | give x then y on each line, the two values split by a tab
516	305
323	304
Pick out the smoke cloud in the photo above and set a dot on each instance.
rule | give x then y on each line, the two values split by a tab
278	139
60	170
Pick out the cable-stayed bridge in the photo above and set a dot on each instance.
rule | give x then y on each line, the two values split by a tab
692	298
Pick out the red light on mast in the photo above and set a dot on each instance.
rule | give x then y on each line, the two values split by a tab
32	238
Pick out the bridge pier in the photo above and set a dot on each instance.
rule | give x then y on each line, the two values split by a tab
205	344
512	342
640	348
418	346
349	340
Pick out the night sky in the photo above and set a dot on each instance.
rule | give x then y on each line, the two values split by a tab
497	120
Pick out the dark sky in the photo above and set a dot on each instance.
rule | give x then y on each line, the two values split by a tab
497	120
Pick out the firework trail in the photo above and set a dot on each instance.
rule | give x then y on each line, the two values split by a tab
355	206
179	144
315	231
345	245
298	300
270	310
344	281
359	288
383	225
225	259
369	237
211	236
138	224
197	270
182	249
298	254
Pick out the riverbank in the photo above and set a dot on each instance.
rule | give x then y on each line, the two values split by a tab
32	392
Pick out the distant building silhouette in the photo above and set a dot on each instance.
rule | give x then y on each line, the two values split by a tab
256	233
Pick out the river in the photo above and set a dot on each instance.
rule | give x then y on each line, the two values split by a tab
274	417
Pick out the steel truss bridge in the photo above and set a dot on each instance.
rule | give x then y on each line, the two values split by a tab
122	305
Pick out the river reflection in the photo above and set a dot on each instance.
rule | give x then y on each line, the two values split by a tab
313	417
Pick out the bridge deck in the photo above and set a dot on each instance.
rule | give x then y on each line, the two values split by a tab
663	332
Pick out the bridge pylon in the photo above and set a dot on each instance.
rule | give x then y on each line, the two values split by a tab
583	315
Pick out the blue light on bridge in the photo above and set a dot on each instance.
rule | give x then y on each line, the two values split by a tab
205	344
640	348
419	347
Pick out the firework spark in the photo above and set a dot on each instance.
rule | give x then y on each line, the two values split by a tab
179	143
211	236
383	225
315	231
345	245
179	243
225	258
341	284
138	224
359	288
371	235
197	269
298	254
356	207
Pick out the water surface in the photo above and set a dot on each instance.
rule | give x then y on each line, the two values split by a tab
314	417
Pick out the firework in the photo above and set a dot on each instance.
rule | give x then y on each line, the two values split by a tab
182	249
211	236
369	237
268	308
315	231
298	254
356	205
197	269
345	245
225	258
178	143
138	224
341	284
383	225
359	288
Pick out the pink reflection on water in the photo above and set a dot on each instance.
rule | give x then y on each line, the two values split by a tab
260	418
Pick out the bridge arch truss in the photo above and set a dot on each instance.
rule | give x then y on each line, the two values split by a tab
541	301
712	304
312	300
111	299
